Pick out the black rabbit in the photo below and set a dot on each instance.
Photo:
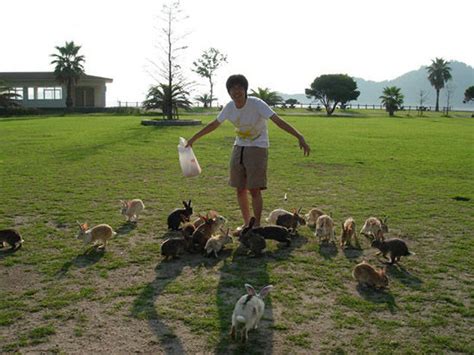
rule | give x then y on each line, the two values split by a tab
255	242
278	233
180	215
396	247
11	237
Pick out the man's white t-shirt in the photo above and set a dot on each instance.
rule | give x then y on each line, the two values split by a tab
250	122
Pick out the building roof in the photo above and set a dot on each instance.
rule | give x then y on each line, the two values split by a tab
44	76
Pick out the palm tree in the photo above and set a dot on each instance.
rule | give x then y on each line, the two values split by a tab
160	96
69	68
270	97
7	98
438	75
392	99
205	99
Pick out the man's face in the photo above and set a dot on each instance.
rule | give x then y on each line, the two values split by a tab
237	93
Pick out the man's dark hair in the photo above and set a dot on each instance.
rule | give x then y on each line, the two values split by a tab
237	79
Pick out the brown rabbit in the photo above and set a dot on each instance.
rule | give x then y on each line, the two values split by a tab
365	274
374	228
395	247
291	220
348	233
101	233
172	247
10	237
202	233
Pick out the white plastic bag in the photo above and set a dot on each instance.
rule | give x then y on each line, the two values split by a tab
187	159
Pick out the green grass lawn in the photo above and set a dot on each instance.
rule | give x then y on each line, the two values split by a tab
61	296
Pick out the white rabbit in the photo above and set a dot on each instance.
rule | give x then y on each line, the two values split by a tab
100	233
248	311
273	216
217	242
131	209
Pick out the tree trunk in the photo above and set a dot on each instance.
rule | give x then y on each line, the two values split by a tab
437	101
212	89
69	101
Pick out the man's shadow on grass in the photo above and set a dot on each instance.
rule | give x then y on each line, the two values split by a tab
144	305
90	256
233	276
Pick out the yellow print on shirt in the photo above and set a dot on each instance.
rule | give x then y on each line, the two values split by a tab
248	131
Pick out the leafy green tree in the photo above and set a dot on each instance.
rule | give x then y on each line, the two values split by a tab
205	66
332	89
270	97
205	99
469	94
392	99
439	73
7	98
160	95
292	102
69	68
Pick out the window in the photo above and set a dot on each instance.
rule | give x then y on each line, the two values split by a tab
31	93
18	91
50	93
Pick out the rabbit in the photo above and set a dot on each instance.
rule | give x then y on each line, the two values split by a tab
365	274
217	242
131	209
272	217
180	215
100	233
395	246
312	216
291	220
10	237
278	233
248	311
198	221
374	228
255	242
202	233
172	247
188	229
348	233
325	229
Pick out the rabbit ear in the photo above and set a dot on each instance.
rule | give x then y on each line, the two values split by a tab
185	204
299	210
189	204
250	290
265	291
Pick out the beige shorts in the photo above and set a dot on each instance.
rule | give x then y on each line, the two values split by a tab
248	168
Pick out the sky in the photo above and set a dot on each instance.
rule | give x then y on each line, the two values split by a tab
280	45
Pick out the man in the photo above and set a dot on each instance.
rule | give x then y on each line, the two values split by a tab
248	163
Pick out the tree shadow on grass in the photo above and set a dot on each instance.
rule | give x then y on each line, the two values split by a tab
166	272
378	296
399	272
89	257
233	276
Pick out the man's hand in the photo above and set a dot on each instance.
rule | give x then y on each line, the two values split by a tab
304	146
